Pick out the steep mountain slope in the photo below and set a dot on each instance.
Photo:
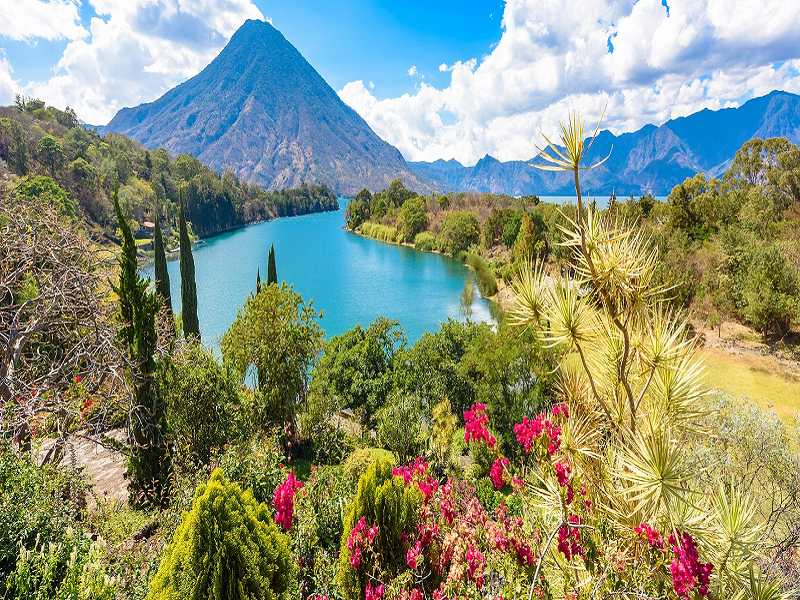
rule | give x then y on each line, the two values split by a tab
653	159
262	110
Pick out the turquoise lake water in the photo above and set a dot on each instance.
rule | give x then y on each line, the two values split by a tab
351	278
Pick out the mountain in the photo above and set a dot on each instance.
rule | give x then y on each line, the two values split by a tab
260	109
652	159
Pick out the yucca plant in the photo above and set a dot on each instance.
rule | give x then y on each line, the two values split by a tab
633	385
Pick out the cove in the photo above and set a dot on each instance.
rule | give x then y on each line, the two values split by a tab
351	278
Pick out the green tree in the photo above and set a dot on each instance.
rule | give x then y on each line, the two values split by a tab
43	189
460	230
531	242
357	368
413	218
226	548
17	153
399	427
383	500
272	273
51	154
161	272
202	398
191	325
148	465
397	194
277	335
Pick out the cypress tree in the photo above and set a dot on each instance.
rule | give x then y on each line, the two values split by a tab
191	326
258	281
272	273
162	275
148	465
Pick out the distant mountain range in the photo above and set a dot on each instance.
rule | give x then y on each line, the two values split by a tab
652	159
261	110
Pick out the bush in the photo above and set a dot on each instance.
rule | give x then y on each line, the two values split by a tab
256	465
357	464
400	427
487	284
413	219
460	230
202	398
382	233
35	506
71	569
226	547
425	241
385	501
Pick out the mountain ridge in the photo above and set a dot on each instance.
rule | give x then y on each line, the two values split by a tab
260	109
652	159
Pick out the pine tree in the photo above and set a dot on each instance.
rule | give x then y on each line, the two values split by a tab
162	275
272	273
191	326
148	465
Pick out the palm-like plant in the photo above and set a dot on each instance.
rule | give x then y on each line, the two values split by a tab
634	386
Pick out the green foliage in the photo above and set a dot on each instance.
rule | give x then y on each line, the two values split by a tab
412	219
460	230
202	399
51	154
276	334
228	548
13	148
41	188
511	228
383	233
356	464
148	465
495	225
443	452
531	243
36	506
191	324
272	273
70	569
357	368
358	209
399	427
487	284
256	464
425	241
385	501
161	272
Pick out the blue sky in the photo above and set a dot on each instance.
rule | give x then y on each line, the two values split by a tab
438	79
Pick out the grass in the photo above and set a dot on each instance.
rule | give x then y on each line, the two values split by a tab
762	379
380	232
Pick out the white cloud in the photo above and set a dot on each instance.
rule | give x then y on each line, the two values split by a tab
705	54
31	19
8	86
136	50
412	71
371	85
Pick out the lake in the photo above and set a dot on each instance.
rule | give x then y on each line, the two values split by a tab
351	278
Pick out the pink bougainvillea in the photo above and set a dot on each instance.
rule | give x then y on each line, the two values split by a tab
496	473
476	423
283	500
688	573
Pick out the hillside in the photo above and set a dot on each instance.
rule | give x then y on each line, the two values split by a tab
42	142
652	159
262	110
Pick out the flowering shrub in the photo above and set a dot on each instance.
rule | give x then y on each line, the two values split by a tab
283	500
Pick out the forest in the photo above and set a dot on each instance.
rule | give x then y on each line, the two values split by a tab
573	450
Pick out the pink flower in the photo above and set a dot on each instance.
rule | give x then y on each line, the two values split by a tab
78	379
496	473
413	556
687	571
475	562
283	500
355	558
476	423
563	471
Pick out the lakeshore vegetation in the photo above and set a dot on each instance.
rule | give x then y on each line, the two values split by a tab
572	451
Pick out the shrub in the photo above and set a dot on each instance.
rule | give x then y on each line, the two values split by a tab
487	284
425	241
35	506
256	465
70	569
400	427
202	399
226	547
382	233
384	501
357	464
460	230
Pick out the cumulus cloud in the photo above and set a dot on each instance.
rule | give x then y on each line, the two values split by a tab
647	62
135	50
52	20
412	70
8	86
